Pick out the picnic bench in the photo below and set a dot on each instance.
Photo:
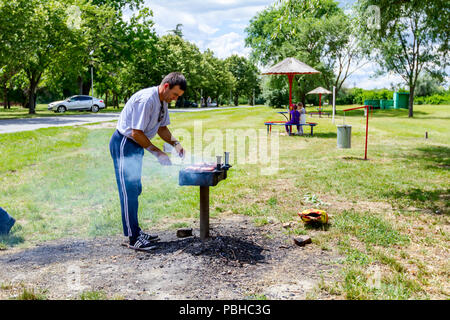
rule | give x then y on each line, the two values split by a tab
320	113
269	125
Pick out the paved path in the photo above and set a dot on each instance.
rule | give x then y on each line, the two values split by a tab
27	124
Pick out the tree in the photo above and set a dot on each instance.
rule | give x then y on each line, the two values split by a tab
13	21
427	85
412	37
246	75
218	80
316	32
35	32
178	30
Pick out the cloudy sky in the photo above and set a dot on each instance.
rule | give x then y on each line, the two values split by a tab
220	25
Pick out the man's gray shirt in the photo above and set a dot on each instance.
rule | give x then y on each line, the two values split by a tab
141	112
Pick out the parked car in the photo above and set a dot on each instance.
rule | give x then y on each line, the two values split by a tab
77	103
190	104
185	104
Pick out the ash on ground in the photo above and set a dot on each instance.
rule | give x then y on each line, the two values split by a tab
238	261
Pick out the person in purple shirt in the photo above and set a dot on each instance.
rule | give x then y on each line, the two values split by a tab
295	119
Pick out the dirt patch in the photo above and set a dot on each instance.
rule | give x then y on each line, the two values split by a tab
239	261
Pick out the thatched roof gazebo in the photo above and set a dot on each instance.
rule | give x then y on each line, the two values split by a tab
320	91
291	67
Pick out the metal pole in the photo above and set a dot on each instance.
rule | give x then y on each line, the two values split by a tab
92	77
367	131
92	84
204	212
253	97
334	102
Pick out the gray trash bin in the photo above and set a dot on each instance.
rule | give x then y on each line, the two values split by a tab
344	136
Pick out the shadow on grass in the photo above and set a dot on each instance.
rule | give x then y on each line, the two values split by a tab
314	225
10	240
353	158
307	134
436	155
436	200
427	157
324	135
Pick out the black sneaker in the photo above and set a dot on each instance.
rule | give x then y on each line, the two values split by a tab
148	237
141	244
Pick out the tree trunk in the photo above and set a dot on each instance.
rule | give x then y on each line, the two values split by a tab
236	100
35	77
303	98
5	96
411	101
86	88
115	101
106	99
32	100
80	85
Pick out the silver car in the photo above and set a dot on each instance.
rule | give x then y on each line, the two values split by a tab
77	103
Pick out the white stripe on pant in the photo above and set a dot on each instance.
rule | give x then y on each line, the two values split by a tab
122	182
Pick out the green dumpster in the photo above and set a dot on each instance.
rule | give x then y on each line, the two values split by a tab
373	103
344	136
386	104
401	100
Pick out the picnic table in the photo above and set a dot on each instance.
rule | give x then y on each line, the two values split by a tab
283	113
269	125
320	113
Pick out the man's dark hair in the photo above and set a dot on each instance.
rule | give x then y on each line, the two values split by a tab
175	78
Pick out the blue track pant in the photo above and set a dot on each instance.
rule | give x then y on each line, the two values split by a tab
127	156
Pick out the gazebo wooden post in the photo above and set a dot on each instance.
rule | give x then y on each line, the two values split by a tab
320	105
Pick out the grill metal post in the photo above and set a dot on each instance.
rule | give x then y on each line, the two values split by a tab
204	212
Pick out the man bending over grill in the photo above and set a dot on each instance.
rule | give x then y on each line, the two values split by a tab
145	114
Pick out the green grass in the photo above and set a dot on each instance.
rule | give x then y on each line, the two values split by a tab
93	295
60	182
369	228
30	294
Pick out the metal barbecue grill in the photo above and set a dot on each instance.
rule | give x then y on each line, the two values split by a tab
204	175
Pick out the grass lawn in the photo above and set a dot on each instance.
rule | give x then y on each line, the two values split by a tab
389	216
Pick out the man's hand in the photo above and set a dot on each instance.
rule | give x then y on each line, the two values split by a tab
179	150
163	159
161	156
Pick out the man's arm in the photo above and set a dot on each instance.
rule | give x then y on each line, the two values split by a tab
167	136
144	142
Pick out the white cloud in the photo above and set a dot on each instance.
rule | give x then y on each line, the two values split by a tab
229	44
207	29
365	78
215	24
